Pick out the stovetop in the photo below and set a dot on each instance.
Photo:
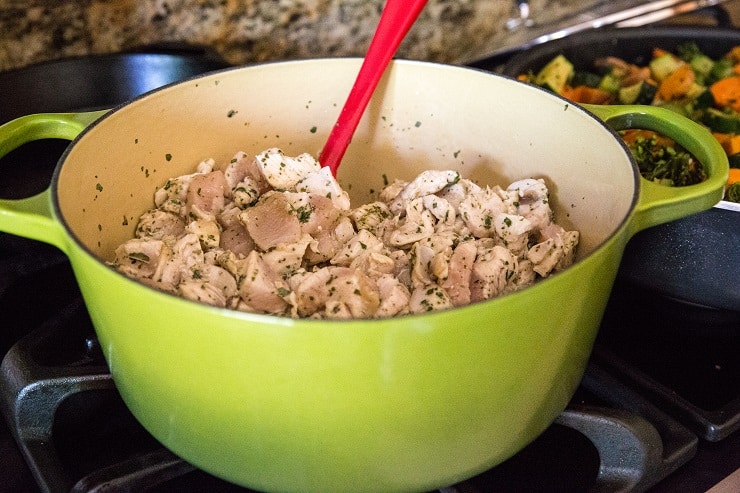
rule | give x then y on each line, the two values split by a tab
658	408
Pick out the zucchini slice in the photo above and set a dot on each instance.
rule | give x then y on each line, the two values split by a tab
722	122
555	74
641	93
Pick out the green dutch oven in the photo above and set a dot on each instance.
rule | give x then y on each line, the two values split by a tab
403	404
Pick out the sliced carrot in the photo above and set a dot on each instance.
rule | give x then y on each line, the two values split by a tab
734	54
659	52
723	139
587	95
631	135
736	68
678	84
726	92
734	176
729	142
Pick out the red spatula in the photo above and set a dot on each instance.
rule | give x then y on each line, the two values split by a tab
395	21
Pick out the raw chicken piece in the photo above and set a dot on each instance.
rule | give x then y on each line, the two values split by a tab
492	270
207	231
429	298
172	197
553	254
323	183
139	258
533	201
418	224
478	210
276	235
320	291
427	183
210	284
394	297
283	172
206	194
157	224
272	221
261	289
459	273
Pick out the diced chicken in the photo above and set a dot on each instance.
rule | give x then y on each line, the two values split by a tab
261	289
283	172
394	297
514	231
392	190
206	194
492	270
320	290
187	256
441	209
139	258
326	243
427	183
361	243
370	216
207	231
211	285
276	235
245	180
286	258
272	221
430	258
418	224
429	298
157	224
316	213
554	253
323	183
236	239
533	201
172	197
457	192
629	74
459	273
478	210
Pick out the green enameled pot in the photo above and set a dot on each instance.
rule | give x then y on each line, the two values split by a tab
403	404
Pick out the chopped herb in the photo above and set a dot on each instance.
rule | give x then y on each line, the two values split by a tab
663	161
139	257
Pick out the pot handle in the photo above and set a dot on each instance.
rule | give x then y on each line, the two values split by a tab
32	217
659	204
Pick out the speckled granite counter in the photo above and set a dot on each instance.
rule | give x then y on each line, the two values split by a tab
242	31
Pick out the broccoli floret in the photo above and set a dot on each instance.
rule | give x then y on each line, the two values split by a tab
732	194
688	51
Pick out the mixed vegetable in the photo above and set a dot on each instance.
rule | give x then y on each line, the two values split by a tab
688	82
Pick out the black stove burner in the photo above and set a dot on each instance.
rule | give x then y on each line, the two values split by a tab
683	356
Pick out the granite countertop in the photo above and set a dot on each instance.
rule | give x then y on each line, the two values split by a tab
241	31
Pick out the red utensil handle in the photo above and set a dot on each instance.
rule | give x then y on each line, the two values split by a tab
395	21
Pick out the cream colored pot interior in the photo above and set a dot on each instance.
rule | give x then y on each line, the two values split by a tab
493	130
